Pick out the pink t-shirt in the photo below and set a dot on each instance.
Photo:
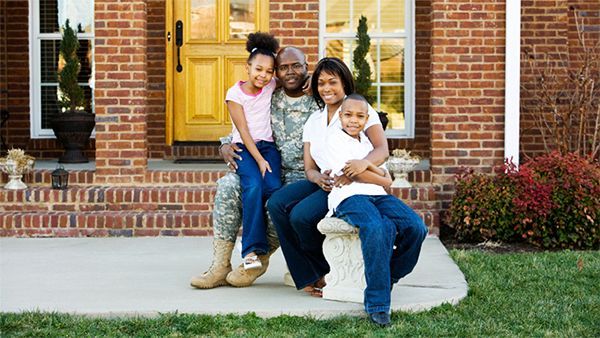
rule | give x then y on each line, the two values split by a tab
257	109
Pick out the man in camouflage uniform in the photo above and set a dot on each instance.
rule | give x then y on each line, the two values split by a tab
290	108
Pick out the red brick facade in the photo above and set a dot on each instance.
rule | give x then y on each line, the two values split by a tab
549	30
546	24
121	94
459	118
467	88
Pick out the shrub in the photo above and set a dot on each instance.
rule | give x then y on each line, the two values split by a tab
552	201
558	202
482	208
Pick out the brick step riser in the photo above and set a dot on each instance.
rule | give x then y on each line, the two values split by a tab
164	178
110	223
153	178
150	199
115	224
145	198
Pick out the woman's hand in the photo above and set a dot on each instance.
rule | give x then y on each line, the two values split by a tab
355	167
339	181
228	151
264	166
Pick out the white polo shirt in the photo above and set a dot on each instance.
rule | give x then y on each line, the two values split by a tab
341	148
316	130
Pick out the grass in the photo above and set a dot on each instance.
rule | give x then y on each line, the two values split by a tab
520	294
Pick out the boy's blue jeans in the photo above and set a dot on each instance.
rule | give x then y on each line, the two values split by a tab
255	192
384	221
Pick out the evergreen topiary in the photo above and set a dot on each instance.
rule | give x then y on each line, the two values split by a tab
71	98
362	70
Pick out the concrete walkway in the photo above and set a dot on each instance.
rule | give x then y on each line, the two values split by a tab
147	276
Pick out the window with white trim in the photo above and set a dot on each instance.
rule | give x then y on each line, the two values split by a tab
391	56
47	20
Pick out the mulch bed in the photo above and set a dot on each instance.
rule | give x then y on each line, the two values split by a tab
492	247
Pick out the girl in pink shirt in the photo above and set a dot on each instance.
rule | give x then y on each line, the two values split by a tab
249	105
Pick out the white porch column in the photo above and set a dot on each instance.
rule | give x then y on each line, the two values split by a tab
512	80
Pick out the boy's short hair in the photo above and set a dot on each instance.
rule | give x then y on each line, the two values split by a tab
356	97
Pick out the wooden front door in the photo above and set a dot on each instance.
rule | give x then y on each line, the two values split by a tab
208	56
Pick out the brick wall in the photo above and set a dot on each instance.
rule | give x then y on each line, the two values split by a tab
296	23
121	79
467	88
421	143
156	101
3	69
548	29
547	24
17	79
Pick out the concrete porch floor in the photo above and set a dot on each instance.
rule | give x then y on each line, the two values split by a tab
150	275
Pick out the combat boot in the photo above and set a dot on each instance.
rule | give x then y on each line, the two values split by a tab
240	277
220	267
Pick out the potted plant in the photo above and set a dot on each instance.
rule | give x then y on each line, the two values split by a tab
72	125
362	69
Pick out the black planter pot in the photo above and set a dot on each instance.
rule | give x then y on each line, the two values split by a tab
73	130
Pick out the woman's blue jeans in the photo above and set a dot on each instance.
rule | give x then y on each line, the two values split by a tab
255	192
384	222
295	211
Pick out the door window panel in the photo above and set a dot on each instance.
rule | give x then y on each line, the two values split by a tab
203	20
242	18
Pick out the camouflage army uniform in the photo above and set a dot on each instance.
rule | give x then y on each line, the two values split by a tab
287	120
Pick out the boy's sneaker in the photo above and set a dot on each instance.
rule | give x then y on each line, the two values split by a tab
252	262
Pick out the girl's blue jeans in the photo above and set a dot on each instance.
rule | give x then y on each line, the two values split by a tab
255	192
384	222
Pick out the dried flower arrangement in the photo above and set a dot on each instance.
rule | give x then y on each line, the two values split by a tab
23	163
405	155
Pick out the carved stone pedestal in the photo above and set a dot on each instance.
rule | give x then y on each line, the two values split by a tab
346	280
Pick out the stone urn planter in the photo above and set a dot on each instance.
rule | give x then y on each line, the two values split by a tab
16	164
400	164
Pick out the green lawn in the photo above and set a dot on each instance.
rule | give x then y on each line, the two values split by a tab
525	294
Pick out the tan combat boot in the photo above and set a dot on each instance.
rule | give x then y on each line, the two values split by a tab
239	277
221	266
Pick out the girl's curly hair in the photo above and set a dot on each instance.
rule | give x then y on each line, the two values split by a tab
261	43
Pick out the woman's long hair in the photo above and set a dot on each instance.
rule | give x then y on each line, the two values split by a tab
334	66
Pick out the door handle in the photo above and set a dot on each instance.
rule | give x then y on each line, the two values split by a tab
179	43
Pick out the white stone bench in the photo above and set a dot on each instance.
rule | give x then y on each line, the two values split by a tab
346	280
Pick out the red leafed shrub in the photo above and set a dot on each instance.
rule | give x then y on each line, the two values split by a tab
557	204
482	208
552	201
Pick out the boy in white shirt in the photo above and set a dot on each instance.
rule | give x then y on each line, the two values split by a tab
383	220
